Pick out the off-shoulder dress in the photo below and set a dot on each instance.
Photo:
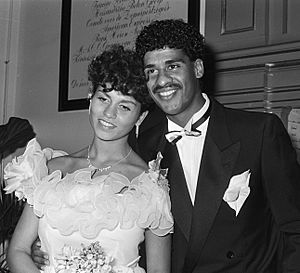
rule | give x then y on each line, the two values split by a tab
86	222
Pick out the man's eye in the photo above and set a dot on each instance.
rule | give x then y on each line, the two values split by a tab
173	66
149	71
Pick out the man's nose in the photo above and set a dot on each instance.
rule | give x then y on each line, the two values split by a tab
163	78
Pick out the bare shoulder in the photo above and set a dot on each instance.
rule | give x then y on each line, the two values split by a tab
135	166
67	163
59	163
139	163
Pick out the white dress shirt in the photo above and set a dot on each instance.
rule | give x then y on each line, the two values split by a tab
190	148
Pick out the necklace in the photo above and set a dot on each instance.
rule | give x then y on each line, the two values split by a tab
107	167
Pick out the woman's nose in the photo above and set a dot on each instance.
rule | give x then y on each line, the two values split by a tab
110	111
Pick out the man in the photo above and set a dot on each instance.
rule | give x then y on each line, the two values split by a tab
235	184
234	179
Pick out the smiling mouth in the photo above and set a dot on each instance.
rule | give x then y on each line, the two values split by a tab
166	94
106	124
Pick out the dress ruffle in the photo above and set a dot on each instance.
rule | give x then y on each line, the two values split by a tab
79	203
26	172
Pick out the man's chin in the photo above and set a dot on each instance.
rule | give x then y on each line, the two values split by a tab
170	111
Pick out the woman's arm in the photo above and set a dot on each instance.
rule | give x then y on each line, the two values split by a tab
158	253
18	257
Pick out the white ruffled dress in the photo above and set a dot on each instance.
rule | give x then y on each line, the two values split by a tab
90	224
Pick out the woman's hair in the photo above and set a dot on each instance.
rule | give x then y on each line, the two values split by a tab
171	33
123	69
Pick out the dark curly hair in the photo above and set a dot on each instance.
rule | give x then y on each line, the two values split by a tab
123	69
172	33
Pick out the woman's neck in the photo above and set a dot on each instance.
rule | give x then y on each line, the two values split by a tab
103	151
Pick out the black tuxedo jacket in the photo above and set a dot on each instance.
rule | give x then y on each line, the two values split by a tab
209	237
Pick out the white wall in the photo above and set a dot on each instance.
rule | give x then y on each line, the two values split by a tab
30	35
9	24
37	79
4	18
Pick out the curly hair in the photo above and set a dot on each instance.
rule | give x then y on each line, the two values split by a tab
123	69
171	33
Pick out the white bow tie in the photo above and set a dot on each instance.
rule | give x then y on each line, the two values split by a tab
174	136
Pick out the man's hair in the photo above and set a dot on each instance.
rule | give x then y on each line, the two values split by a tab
123	69
171	33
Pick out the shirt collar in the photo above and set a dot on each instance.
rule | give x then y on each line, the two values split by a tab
172	126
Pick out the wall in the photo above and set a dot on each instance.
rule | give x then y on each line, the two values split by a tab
37	79
9	30
248	38
30	39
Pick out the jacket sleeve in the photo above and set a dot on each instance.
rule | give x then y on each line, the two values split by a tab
281	176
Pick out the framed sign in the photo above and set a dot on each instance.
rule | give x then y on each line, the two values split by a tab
88	27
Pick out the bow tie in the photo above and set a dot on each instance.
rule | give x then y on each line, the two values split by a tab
174	136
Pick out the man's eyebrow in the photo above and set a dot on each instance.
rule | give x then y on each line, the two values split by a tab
179	60
148	66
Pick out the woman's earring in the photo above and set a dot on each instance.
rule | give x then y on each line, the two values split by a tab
90	95
139	122
137	130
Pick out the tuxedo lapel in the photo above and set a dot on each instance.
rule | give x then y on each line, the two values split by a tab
180	198
219	156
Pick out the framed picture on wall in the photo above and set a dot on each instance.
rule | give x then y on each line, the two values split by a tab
89	27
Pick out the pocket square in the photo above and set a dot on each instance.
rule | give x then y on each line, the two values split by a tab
237	191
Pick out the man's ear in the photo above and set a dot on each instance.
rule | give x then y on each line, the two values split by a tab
141	118
199	68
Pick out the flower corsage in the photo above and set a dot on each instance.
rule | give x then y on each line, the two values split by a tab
157	174
88	259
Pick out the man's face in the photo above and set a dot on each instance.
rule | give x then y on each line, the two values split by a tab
172	82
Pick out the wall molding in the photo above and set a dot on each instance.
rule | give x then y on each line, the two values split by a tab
9	56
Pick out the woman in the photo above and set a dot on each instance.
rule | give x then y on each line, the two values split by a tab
93	208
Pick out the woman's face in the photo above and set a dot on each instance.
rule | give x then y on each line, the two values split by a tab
112	114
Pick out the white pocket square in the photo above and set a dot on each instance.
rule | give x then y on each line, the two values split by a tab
237	191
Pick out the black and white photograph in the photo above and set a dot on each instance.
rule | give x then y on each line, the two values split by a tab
149	136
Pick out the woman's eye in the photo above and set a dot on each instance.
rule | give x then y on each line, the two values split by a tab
102	99
125	108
